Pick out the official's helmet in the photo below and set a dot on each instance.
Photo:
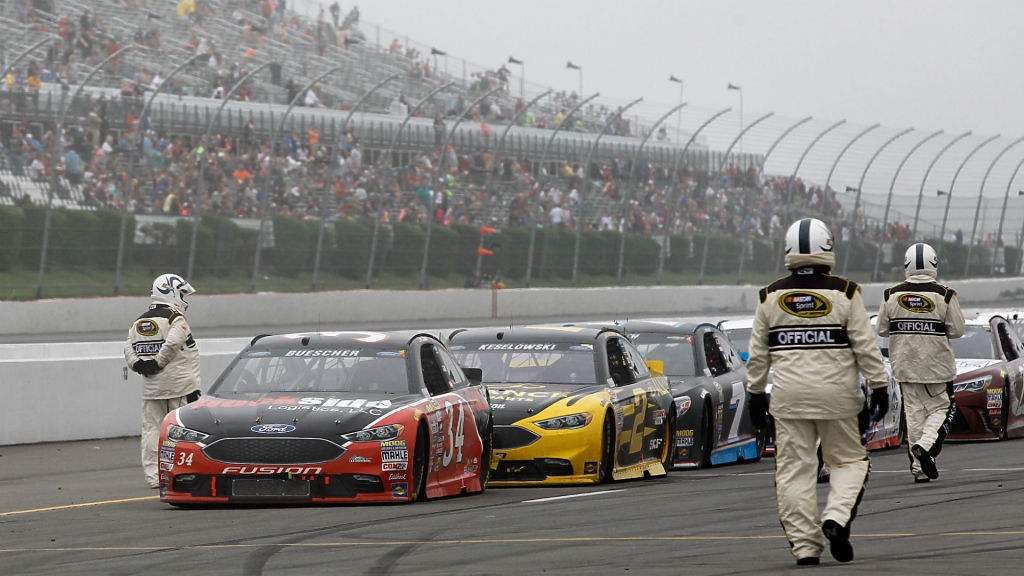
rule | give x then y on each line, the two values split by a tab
808	236
171	289
920	258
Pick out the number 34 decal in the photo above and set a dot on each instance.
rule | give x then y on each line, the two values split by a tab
184	459
454	442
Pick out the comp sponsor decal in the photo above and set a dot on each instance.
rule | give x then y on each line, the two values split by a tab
273	428
805	304
147	328
166	466
394	466
263	470
916	303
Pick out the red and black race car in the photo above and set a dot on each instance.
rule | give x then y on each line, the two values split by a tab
331	417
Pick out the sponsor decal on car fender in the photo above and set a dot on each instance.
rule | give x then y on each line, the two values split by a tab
167	455
271	470
393	466
400	490
396	477
360	459
273	428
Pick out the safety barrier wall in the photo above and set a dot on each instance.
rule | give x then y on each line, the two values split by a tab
78	391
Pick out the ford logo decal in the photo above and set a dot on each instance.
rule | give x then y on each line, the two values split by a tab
273	428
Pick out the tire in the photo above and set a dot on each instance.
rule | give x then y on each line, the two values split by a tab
670	432
419	465
1005	413
707	439
486	455
604	470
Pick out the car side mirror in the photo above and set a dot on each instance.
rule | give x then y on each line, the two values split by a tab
474	374
657	367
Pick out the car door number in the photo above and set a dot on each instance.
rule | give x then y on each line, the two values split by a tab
455	440
739	398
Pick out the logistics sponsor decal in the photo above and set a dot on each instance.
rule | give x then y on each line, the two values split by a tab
167	455
167	466
926	327
396	477
146	328
519	346
393	466
805	304
273	428
360	459
270	470
400	490
148	348
321	353
314	404
916	303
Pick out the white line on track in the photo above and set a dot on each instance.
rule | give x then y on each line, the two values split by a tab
993	469
572	496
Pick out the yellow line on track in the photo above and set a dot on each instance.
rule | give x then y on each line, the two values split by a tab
477	541
82	505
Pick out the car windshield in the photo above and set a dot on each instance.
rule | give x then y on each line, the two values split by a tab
740	338
541	362
977	343
313	370
675	351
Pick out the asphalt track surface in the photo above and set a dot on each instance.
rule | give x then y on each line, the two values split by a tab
83	508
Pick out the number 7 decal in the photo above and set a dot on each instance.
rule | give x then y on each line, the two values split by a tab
739	400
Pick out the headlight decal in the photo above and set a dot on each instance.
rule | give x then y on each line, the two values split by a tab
182	434
570	422
974	385
682	405
378	434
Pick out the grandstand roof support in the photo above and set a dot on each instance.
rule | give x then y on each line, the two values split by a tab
22	56
721	169
632	169
860	186
323	216
128	188
832	170
920	192
949	196
583	184
788	188
1002	218
888	200
440	171
543	158
57	152
497	151
771	149
977	209
387	158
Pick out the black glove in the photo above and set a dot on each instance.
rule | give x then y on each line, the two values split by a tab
879	402
759	410
146	367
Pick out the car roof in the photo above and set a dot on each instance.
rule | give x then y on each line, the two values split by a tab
395	340
738	324
684	328
551	333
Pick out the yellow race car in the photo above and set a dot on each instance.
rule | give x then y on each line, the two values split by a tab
571	405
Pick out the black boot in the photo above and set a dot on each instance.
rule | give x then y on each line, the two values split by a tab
839	540
926	460
808	561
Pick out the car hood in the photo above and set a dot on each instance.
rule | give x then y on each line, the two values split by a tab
288	414
511	402
963	366
684	385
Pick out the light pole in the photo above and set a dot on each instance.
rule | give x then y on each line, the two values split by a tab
828	181
57	152
920	192
789	186
128	188
721	169
1002	215
200	188
977	209
387	158
323	216
22	56
543	159
860	187
740	90
949	195
679	119
583	184
579	69
1020	240
440	171
625	201
888	200
522	77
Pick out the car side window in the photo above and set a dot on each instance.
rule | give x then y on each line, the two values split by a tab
729	354
713	355
1010	348
635	361
433	374
618	362
450	368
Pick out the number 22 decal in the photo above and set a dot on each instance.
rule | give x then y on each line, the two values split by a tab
454	441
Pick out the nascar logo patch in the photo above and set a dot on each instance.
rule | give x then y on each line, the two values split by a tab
805	304
916	303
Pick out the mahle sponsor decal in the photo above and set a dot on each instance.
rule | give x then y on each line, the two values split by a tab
916	303
805	304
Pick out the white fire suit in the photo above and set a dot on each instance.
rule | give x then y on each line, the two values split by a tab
163	335
920	317
812	328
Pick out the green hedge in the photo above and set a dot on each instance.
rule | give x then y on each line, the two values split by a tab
406	251
82	248
205	247
108	236
32	236
351	252
226	247
294	245
678	259
12	223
